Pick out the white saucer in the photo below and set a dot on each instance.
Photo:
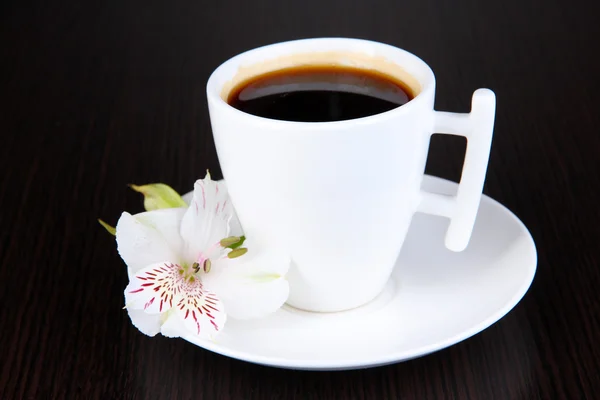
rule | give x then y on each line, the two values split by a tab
436	298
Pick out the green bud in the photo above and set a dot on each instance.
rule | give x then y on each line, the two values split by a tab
237	252
110	229
238	244
159	195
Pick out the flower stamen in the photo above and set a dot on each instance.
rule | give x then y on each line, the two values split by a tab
228	241
240	251
207	265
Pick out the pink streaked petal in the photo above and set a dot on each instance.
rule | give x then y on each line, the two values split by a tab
201	311
154	289
234	223
207	219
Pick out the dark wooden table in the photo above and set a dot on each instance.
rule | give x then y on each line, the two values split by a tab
95	95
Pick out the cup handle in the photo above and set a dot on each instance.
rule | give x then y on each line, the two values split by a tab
477	126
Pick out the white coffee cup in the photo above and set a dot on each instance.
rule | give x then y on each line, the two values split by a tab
339	196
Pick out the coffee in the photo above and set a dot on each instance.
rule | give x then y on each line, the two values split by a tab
319	94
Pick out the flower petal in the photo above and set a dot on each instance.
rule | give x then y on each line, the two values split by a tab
201	311
155	288
207	218
252	285
173	326
255	299
148	324
235	228
150	237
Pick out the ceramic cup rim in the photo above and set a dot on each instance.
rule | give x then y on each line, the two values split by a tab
215	84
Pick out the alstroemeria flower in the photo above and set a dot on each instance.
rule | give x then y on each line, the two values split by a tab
182	279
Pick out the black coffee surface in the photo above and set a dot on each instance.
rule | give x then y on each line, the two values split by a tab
319	94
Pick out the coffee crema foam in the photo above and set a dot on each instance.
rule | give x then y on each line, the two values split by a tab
330	58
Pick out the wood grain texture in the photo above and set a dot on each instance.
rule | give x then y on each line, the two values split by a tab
96	95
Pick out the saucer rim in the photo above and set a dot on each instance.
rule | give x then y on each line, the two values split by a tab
395	357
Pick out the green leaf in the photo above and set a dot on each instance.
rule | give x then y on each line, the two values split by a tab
159	195
110	229
238	244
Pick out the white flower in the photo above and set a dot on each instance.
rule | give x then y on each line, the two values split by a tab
182	281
